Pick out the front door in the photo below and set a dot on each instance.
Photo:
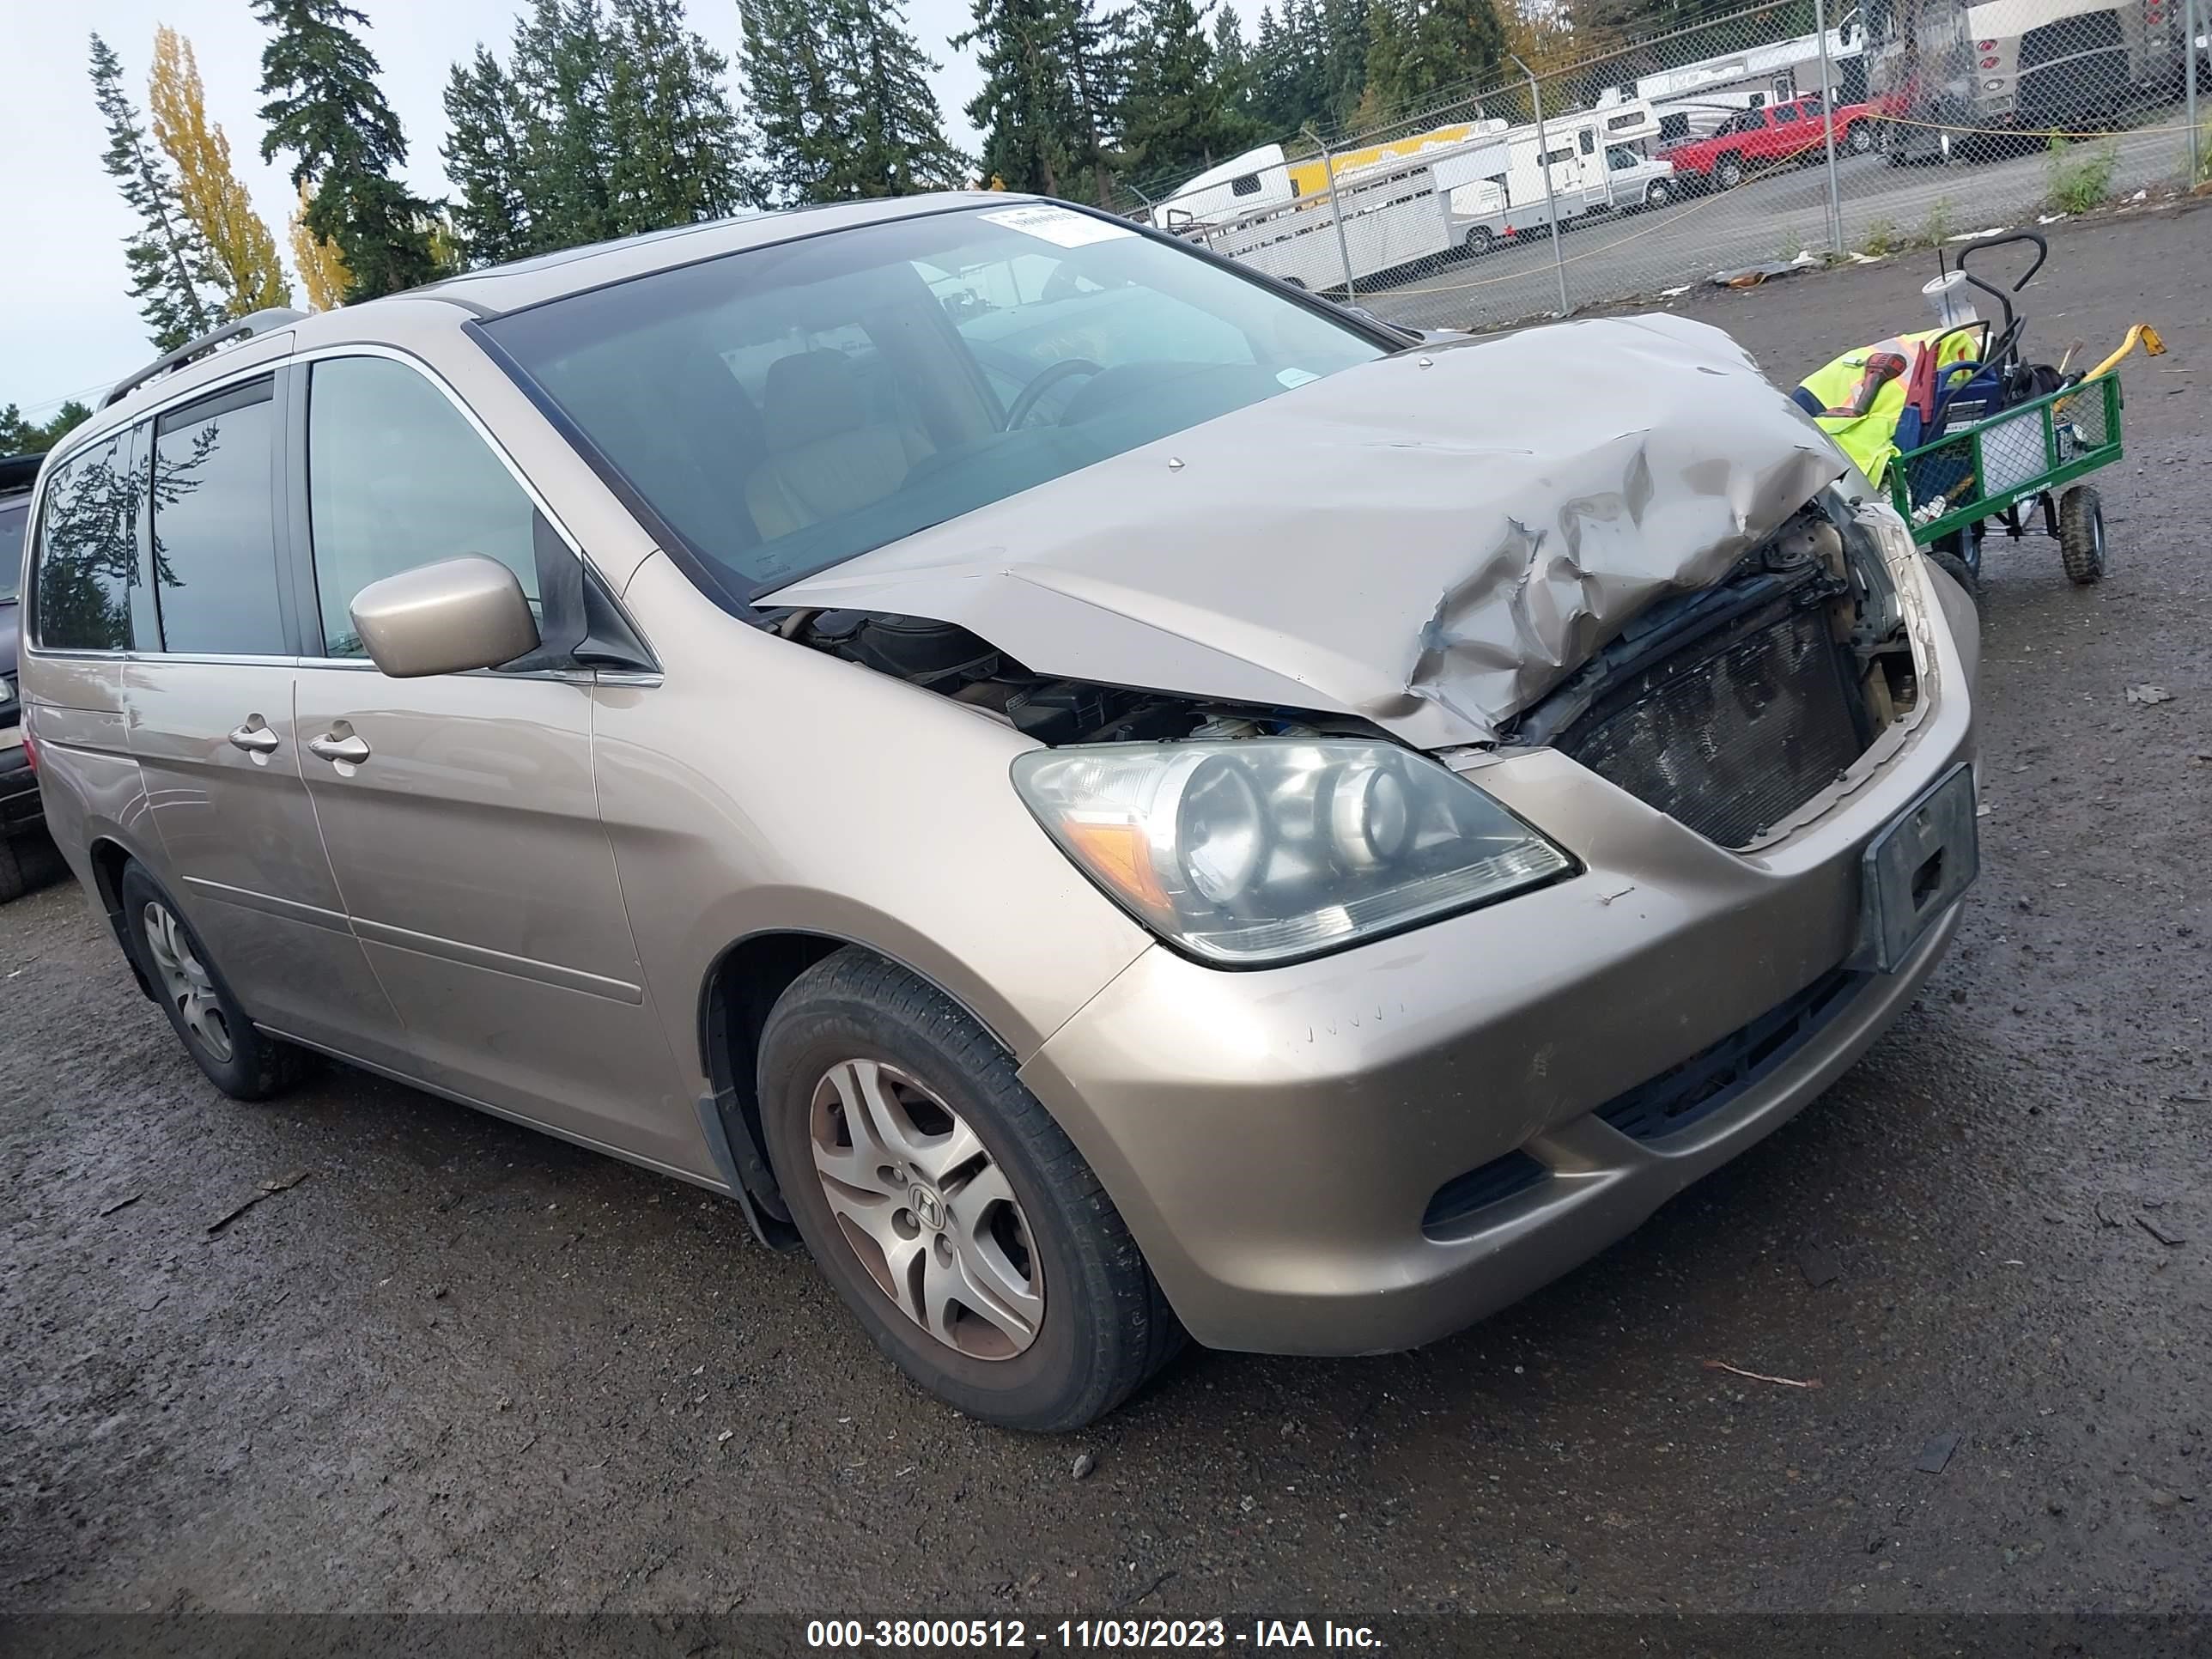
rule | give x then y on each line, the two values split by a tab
459	810
208	702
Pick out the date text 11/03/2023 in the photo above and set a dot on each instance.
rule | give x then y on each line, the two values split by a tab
1095	1635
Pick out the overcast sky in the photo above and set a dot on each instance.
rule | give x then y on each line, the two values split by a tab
68	325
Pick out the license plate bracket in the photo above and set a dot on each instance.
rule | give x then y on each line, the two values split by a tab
1916	869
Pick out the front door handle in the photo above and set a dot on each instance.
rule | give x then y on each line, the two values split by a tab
340	746
254	737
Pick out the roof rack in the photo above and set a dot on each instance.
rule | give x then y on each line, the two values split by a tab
254	322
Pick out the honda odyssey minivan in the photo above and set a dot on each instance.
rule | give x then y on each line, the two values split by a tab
1103	797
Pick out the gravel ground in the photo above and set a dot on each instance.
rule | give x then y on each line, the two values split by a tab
462	1367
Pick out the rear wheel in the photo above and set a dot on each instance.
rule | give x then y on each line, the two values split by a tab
239	1060
2082	535
951	1213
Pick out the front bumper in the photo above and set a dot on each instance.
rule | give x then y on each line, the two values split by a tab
1281	1142
19	785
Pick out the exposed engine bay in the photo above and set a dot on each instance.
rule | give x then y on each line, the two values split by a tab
1724	707
949	659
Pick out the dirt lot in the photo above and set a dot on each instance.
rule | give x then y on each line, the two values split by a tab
462	1366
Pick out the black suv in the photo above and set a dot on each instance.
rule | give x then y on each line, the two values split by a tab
19	787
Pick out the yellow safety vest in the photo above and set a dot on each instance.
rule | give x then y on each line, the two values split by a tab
1870	439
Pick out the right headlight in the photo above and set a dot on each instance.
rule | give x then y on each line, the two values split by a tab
1268	849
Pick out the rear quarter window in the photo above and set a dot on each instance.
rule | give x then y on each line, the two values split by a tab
87	556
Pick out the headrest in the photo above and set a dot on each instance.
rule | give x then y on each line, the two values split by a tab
810	395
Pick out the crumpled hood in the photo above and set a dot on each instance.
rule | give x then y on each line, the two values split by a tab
1431	541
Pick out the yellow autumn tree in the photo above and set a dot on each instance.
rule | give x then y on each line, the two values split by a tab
322	268
244	262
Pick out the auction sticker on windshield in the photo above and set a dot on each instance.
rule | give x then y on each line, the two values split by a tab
1057	225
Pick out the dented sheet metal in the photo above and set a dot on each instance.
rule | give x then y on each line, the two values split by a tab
1432	541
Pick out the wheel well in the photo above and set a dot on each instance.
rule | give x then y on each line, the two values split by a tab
741	988
108	859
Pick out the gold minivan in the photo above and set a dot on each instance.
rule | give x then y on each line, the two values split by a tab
1103	795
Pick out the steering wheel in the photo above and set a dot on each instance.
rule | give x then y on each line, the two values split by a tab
1026	400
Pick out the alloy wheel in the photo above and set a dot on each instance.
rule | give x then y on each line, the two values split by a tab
187	981
926	1209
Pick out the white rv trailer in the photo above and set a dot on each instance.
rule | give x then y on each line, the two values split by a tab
1470	196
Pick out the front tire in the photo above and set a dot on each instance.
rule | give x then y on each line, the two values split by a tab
1479	241
1657	195
1728	174
239	1060
950	1212
1859	137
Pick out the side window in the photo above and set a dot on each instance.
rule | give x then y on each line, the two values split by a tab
215	526
87	556
1784	114
397	477
1588	141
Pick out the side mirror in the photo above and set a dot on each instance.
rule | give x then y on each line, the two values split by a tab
445	618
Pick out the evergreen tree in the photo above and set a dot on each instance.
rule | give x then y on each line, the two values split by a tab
20	437
241	260
325	107
895	134
1343	56
1271	71
1032	130
1097	57
165	251
563	83
677	153
1232	66
1389	52
792	96
483	153
1178	121
1454	44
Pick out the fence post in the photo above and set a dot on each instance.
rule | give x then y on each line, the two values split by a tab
1335	209
1544	162
2192	12
1828	120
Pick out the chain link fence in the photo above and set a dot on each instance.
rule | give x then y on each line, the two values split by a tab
1796	131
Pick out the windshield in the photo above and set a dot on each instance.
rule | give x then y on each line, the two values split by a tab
13	516
790	407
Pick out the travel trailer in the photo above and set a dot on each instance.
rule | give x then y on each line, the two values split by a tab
1471	197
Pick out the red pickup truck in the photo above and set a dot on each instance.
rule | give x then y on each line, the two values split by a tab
1753	140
